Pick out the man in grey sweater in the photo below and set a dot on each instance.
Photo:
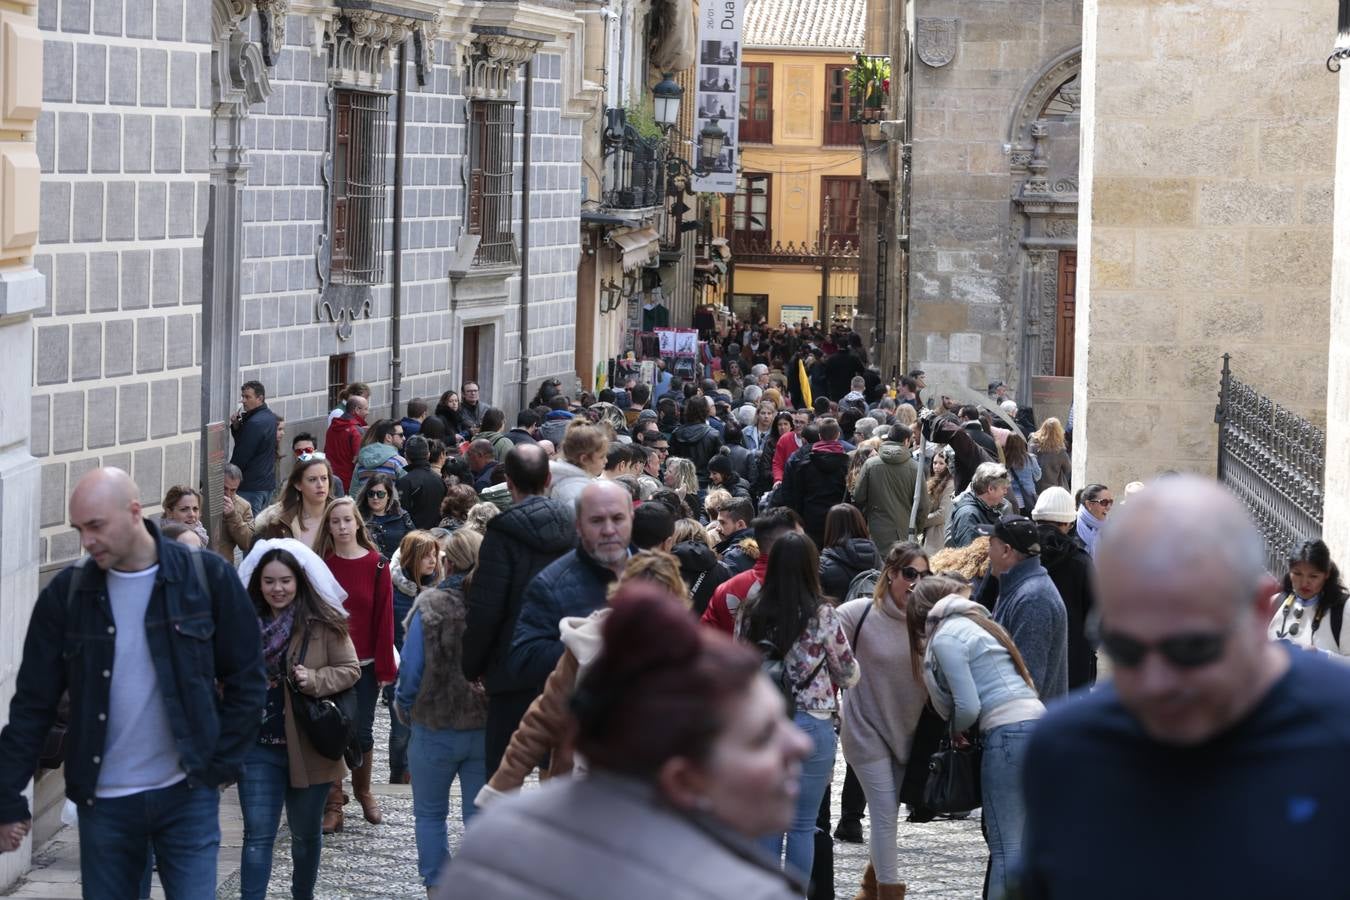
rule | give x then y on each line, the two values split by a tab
1029	606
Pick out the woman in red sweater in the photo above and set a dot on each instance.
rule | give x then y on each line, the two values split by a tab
364	574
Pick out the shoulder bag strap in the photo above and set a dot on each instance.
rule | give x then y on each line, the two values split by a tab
857	629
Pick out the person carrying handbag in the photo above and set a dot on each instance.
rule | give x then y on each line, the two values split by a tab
306	649
975	676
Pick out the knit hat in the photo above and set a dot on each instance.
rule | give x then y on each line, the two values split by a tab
647	415
1054	505
721	464
417	449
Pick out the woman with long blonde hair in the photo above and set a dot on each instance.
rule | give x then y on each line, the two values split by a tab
417	566
1051	453
363	573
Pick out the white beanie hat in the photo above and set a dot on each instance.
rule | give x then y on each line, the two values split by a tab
1054	505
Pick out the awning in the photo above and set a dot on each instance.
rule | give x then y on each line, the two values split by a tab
590	217
638	246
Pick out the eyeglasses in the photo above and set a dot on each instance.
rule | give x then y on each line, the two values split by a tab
909	573
1185	651
377	495
398	434
1104	504
659	449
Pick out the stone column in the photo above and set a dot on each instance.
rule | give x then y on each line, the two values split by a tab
1335	515
1204	224
238	80
22	290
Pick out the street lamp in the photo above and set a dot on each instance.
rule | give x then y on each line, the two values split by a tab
711	140
667	94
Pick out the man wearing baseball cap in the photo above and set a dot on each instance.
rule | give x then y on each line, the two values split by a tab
1029	606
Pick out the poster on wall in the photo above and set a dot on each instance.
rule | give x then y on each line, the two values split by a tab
718	76
679	348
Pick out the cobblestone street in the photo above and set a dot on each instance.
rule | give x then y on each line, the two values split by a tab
943	859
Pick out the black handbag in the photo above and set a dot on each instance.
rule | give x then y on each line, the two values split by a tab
328	722
953	784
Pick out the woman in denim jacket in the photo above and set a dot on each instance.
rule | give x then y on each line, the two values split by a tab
975	676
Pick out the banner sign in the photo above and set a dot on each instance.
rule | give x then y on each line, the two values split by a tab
679	347
718	75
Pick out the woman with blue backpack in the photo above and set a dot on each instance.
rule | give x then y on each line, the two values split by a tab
808	655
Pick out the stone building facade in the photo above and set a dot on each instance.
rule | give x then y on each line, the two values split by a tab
203	221
992	206
1208	163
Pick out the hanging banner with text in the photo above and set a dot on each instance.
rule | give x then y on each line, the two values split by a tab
719	90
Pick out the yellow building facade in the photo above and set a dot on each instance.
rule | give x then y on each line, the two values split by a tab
800	162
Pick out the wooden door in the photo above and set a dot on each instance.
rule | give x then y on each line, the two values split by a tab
1064	312
469	370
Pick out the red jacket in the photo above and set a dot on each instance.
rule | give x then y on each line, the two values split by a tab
370	609
341	444
721	611
786	446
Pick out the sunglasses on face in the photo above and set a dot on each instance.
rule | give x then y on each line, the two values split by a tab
377	495
1104	504
302	452
909	573
1185	651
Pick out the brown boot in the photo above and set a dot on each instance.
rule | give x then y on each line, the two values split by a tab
361	788
868	891
332	809
891	891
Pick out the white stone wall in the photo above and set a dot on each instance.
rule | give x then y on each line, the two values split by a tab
1335	514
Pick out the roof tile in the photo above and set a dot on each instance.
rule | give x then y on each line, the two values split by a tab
809	24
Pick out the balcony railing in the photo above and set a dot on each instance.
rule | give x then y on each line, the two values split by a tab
633	174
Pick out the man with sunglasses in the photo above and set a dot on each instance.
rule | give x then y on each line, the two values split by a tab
1212	749
1029	606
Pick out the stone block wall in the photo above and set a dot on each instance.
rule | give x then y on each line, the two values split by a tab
1335	515
964	289
1208	158
123	146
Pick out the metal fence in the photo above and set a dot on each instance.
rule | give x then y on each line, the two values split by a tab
1273	460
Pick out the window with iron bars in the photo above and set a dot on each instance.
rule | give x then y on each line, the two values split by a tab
491	176
360	147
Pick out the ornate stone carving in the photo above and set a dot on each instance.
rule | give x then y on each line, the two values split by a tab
272	25
935	41
1049	311
360	44
424	48
491	62
1061	228
344	316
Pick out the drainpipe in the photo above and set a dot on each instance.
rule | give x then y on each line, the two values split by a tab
396	294
524	316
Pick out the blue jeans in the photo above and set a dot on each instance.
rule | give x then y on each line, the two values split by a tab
817	772
264	787
255	499
435	757
1005	751
181	822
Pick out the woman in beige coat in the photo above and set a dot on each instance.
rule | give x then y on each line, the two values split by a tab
305	647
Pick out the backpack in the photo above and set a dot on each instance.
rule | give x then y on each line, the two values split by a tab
864	584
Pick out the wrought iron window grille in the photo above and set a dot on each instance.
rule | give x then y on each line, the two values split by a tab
359	186
492	181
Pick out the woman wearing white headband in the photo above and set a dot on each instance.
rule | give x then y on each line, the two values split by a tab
305	642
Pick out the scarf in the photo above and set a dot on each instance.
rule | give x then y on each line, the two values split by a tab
276	637
1089	530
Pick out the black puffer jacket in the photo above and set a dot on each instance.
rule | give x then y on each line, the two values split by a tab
698	442
814	485
840	563
519	542
701	571
1070	569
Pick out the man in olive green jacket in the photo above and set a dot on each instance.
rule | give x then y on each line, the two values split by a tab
886	491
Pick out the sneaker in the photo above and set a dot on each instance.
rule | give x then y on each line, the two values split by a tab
849	831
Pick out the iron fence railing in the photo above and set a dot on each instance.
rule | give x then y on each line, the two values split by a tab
634	179
1273	460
